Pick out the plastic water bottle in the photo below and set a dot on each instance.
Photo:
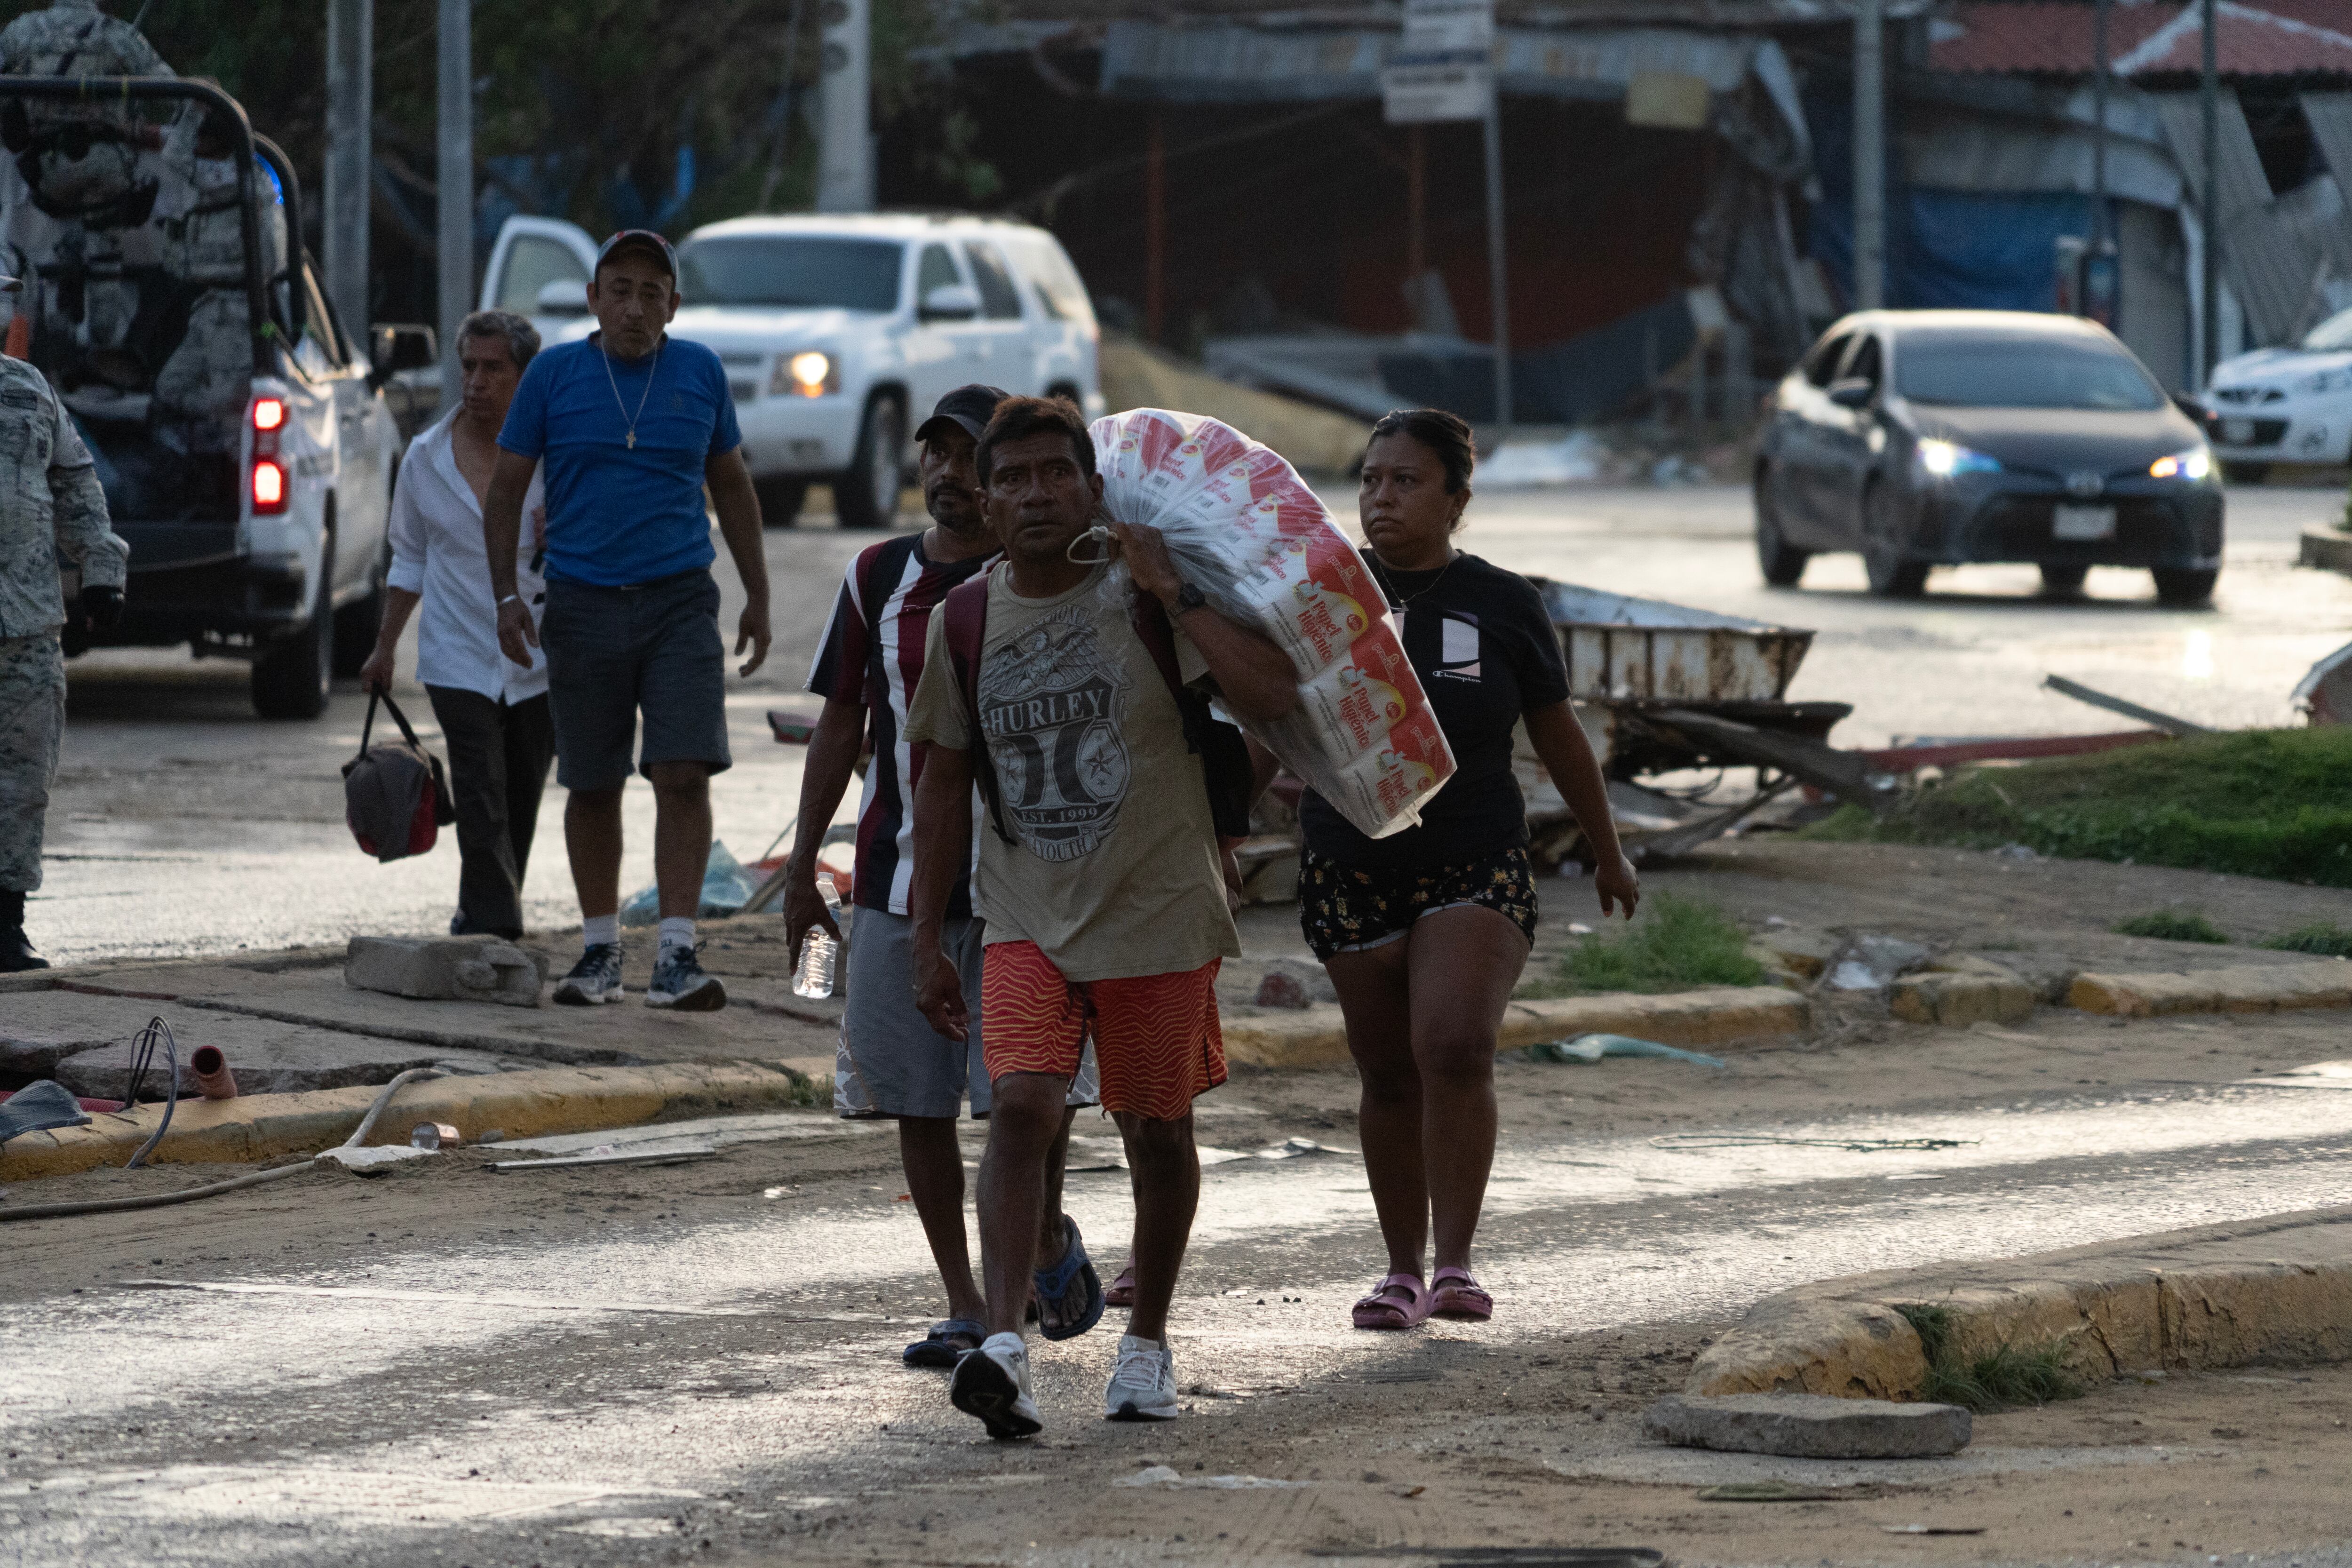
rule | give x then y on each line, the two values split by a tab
818	951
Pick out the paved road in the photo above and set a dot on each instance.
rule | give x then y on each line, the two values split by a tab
181	824
476	1368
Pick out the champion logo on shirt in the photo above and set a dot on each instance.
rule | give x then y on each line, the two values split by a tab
1457	646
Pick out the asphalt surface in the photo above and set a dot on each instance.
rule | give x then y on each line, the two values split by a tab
180	823
622	1366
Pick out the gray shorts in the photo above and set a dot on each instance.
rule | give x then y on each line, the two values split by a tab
890	1061
614	652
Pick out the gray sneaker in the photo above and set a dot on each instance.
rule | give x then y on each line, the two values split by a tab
596	978
1143	1382
679	982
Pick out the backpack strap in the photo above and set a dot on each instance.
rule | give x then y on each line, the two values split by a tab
964	612
1225	766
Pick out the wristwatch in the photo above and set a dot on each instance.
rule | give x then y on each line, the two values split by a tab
1189	597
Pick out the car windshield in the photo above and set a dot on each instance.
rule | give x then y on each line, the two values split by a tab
792	271
2018	372
2332	335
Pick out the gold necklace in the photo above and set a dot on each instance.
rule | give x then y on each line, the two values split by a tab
612	381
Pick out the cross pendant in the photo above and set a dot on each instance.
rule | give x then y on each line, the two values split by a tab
632	440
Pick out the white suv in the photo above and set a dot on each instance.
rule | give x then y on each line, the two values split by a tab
839	332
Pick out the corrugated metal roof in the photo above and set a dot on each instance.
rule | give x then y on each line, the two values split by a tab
2275	37
2273	265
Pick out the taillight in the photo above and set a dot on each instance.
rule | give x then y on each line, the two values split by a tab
269	482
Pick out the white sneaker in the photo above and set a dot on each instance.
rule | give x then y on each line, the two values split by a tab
992	1383
1142	1382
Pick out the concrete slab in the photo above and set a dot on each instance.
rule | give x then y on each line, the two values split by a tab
1693	1467
762	1020
446	969
85	1043
1808	1426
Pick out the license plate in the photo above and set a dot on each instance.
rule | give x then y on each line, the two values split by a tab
2083	522
2238	432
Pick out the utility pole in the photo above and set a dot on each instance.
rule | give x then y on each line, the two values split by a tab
455	187
2100	75
1499	281
351	97
844	167
2209	334
1869	155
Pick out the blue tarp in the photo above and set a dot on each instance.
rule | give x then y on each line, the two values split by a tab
1945	250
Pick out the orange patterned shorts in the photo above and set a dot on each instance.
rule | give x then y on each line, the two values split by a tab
1157	1045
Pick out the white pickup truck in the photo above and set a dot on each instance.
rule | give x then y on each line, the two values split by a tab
839	332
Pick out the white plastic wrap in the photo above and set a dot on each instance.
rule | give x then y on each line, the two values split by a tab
1263	549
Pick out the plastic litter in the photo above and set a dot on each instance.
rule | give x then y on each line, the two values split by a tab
1263	549
1588	1048
727	886
1871	963
1165	1475
431	1136
39	1106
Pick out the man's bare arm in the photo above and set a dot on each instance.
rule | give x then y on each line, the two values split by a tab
825	779
502	536
942	848
738	506
1254	677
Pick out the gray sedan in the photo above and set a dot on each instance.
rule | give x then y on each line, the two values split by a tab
1933	437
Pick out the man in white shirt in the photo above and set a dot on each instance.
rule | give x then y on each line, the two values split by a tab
493	712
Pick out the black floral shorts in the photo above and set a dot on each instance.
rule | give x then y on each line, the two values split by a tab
1342	907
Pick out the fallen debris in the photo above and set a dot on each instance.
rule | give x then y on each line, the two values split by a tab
1590	1049
444	969
1808	1426
2097	698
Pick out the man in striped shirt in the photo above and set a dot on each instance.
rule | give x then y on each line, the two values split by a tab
891	1062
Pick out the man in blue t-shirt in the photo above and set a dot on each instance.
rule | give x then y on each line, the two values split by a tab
632	424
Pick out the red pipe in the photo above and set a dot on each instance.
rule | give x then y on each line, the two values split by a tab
210	1069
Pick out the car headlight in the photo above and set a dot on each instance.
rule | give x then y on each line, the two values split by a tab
2324	380
812	373
2195	464
1943	459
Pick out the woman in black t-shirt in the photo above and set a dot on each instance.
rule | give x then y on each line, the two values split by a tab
1424	932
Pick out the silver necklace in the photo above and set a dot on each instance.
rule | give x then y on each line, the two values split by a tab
1403	601
613	381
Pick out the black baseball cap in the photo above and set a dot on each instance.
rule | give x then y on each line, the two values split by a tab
644	240
968	407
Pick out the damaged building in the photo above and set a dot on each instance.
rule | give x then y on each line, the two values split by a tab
1676	177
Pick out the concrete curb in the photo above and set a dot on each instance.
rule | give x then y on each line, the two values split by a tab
2278	1290
258	1127
2329	549
1317	1036
2249	988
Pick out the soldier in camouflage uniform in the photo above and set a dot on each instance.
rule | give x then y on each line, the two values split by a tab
52	513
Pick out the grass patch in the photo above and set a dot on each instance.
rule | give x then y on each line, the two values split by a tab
2001	1378
2259	803
2334	941
1675	944
2172	925
809	1091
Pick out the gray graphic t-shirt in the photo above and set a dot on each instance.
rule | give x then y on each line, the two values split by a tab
1113	869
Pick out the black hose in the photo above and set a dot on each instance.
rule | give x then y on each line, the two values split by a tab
143	1053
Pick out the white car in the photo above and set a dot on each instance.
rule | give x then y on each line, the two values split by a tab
2286	405
839	332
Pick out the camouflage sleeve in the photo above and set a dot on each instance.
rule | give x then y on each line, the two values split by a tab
86	536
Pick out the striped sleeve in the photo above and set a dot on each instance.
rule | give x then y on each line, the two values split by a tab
838	673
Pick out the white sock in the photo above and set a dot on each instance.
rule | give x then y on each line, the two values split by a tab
600	930
676	931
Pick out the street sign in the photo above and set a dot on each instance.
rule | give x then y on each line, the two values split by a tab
1415	93
1448	27
1443	66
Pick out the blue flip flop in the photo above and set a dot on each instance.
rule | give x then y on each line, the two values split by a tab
1069	1295
937	1349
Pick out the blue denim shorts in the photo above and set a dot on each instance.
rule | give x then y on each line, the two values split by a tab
614	653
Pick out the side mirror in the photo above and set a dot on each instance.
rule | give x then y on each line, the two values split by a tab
563	297
1853	391
2192	407
395	346
951	302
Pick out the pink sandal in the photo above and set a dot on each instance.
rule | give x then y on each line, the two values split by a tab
1456	1295
1122	1289
1398	1301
